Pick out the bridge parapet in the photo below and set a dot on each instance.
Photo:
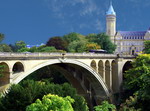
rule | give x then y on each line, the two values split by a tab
61	55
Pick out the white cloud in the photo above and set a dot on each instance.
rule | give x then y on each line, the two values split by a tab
86	9
98	25
87	6
83	26
139	3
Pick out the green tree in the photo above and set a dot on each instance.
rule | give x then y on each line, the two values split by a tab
72	37
92	37
1	37
48	49
147	47
5	48
33	49
24	49
52	103
77	46
1	70
103	40
129	104
105	106
20	46
28	91
138	81
75	39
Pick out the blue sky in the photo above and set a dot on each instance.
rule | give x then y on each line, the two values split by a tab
35	21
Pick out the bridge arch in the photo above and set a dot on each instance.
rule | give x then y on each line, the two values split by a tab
101	68
18	67
5	73
114	76
127	65
93	64
98	84
107	73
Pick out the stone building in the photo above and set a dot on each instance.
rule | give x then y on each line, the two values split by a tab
128	42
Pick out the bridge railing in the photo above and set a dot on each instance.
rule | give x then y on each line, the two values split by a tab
39	54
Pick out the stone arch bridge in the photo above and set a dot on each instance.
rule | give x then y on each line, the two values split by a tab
96	76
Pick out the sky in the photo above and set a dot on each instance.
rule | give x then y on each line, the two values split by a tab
35	21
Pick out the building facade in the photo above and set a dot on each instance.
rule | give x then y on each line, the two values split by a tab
128	42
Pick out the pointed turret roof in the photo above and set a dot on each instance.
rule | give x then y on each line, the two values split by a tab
111	10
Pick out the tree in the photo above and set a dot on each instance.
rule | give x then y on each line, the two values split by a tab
20	46
57	42
24	49
147	47
5	48
1	37
129	104
72	37
28	91
75	42
1	70
90	46
105	106
103	40
77	46
52	103
48	49
138	81
91	37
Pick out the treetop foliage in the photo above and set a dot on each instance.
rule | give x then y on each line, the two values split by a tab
138	81
147	47
79	43
25	93
1	37
72	42
52	102
4	47
57	42
105	106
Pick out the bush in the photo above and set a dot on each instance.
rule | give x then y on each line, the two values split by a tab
52	103
105	106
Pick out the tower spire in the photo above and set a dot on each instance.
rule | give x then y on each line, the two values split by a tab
110	2
111	9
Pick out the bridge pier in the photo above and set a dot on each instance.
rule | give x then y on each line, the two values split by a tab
119	74
104	73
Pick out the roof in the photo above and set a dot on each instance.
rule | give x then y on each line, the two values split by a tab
135	34
111	10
